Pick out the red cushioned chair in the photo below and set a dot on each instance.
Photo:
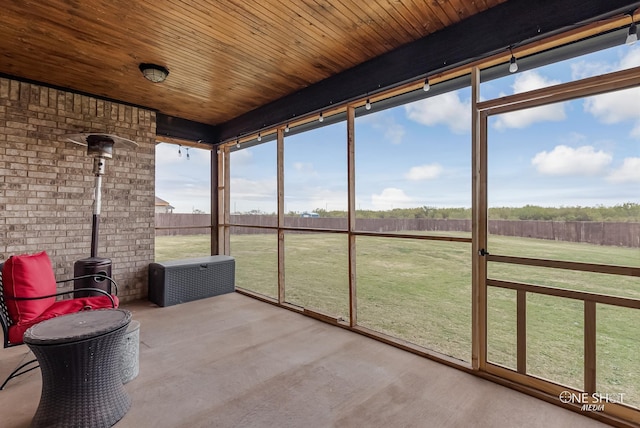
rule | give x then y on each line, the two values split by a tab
28	291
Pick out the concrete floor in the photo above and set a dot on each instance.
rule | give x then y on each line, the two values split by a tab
233	361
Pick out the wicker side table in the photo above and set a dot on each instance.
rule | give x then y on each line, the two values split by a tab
79	356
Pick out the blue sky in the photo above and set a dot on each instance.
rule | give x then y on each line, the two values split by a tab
584	152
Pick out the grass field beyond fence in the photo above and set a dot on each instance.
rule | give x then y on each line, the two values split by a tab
420	291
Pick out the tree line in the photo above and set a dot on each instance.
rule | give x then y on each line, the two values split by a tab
626	212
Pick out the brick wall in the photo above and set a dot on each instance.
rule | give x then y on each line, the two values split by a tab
46	184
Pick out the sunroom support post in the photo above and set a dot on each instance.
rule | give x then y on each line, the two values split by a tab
214	222
478	230
223	201
281	213
351	213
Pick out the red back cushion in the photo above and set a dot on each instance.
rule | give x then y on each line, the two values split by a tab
28	275
61	307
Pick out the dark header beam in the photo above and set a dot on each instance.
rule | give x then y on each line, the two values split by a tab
176	127
514	22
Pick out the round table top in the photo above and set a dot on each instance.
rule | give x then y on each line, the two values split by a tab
76	327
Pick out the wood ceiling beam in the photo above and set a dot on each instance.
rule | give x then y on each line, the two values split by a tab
170	127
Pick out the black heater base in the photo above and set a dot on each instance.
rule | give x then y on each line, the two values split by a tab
90	266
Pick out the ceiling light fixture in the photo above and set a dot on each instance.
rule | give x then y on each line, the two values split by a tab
513	63
259	137
286	128
426	86
154	73
321	118
238	143
632	36
367	105
179	151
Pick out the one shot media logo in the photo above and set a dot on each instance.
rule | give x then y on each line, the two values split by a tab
594	402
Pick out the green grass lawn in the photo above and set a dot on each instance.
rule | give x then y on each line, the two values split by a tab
420	291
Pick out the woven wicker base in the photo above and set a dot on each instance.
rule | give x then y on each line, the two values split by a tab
82	383
130	354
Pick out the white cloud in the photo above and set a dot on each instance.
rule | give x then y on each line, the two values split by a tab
619	106
253	190
629	172
185	194
529	81
298	166
583	69
242	157
167	154
446	109
574	138
631	59
305	168
247	195
184	183
615	107
564	160
392	131
325	198
424	172
391	197
308	198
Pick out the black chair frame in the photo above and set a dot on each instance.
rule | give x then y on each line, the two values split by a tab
6	321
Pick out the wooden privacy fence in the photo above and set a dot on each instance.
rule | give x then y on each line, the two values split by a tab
182	224
592	232
619	234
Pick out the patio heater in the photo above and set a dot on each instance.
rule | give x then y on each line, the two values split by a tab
100	147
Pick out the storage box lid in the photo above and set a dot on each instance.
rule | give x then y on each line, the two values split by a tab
196	261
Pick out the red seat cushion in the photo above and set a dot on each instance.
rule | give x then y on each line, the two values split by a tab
28	275
61	307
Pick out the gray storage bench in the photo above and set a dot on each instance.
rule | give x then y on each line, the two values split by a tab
180	281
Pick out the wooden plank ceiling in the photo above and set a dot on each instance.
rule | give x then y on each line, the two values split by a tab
225	57
242	65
